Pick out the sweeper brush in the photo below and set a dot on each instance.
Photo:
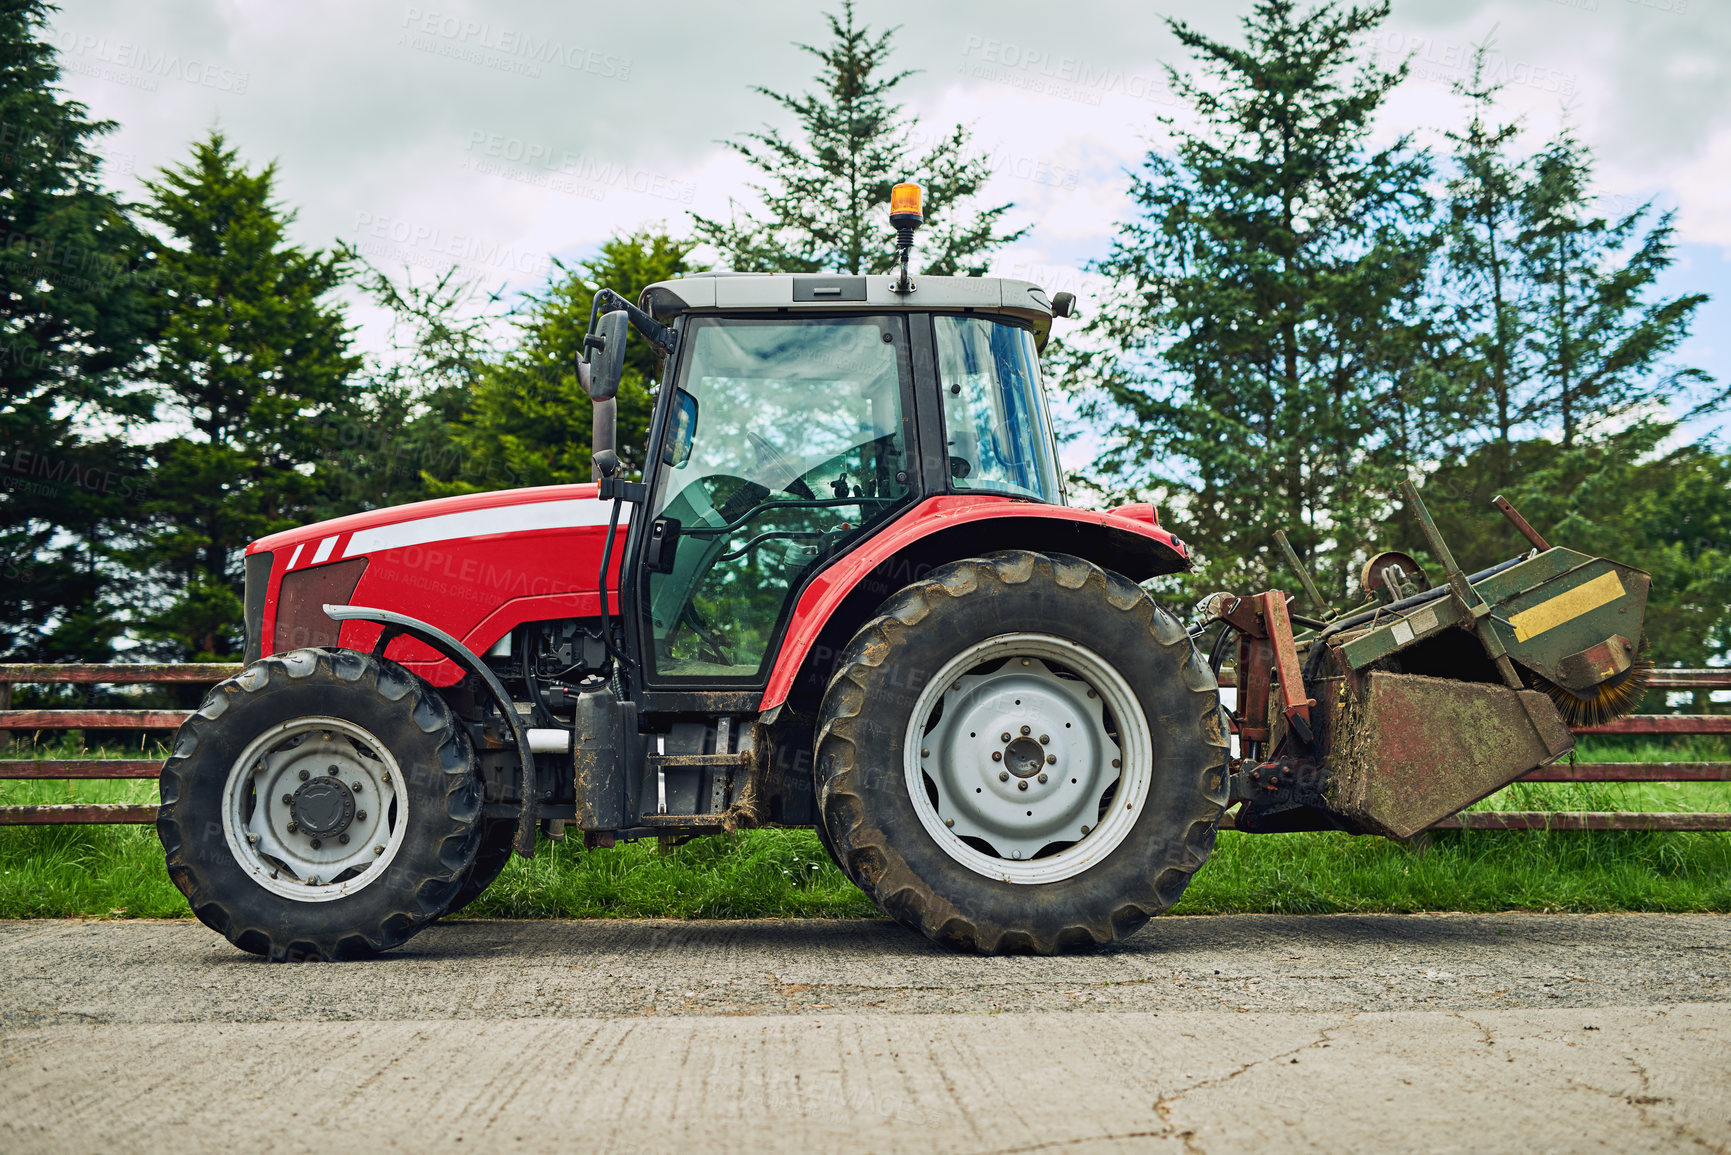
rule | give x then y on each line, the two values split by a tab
1610	699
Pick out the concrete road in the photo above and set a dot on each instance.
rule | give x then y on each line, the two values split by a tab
1480	1033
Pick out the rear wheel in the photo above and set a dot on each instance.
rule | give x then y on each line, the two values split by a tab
322	804
1022	753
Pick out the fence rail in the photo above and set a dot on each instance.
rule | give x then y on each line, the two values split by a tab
209	673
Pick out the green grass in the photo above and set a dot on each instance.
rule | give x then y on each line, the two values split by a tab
116	871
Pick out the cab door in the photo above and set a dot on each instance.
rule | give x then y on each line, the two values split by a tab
784	440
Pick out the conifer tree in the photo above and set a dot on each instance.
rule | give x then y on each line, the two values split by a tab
397	446
1599	333
254	364
826	184
72	323
528	421
1486	278
1268	359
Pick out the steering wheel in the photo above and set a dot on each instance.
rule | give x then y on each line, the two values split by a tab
777	462
709	646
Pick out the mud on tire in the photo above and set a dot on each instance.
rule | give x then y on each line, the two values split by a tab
864	787
437	781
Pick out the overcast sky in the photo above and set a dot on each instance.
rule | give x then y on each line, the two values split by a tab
499	135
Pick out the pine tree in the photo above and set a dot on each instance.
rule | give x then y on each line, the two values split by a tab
254	364
528	421
74	322
1598	333
1269	360
1487	271
1563	335
397	444
826	190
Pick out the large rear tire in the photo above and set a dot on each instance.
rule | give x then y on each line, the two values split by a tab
321	804
1021	753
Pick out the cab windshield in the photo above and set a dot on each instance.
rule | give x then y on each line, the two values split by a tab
999	438
785	440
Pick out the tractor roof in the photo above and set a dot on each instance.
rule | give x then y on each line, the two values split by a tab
787	292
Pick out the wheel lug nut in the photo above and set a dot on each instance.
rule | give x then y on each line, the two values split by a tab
949	822
252	838
317	844
1045	739
1085	829
925	753
343	838
1003	776
332	771
1051	759
1022	785
997	755
356	787
294	828
361	816
1026	731
1005	736
305	775
1042	777
1092	694
1117	762
378	850
288	799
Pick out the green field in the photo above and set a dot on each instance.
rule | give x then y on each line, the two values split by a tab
117	871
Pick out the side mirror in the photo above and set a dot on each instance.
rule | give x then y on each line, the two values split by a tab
604	356
1064	305
681	429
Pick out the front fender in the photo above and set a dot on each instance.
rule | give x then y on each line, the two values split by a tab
395	624
940	530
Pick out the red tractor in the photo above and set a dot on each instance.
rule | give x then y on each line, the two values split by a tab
845	593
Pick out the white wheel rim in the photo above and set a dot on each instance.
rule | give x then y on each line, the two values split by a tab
301	831
1061	692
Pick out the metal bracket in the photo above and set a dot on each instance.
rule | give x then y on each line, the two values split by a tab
1294	702
1266	643
618	489
1464	593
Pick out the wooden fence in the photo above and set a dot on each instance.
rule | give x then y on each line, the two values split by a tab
14	721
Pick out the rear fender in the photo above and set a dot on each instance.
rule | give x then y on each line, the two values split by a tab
837	602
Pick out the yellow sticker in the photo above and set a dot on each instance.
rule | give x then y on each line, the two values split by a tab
1566	607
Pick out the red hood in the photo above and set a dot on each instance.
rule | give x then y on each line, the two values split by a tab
420	510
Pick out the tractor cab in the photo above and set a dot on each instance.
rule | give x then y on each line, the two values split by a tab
801	414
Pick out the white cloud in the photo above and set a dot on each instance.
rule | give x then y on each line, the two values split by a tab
502	134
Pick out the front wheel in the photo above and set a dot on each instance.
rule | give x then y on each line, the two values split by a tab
1022	753
321	804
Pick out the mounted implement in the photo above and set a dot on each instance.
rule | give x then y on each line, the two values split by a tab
1387	719
841	589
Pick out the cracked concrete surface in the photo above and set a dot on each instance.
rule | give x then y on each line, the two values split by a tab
1506	1032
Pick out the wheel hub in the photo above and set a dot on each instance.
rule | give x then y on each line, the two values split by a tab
313	810
1020	758
322	807
1024	757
